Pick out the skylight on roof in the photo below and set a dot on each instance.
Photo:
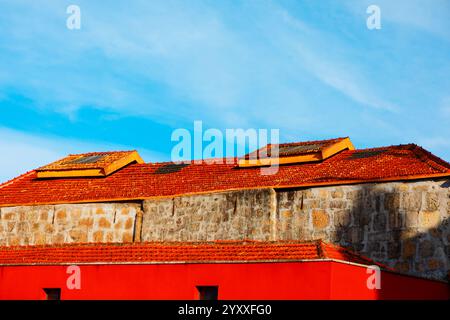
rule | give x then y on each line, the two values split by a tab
89	164
299	152
87	159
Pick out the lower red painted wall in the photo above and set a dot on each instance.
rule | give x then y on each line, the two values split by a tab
350	282
294	280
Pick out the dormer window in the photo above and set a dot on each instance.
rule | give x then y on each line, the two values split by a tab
94	164
298	152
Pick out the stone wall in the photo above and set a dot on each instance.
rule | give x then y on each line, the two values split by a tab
230	215
403	225
68	223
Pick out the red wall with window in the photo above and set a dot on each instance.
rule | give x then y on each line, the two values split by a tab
293	280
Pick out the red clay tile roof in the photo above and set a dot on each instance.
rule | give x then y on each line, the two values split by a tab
170	252
151	180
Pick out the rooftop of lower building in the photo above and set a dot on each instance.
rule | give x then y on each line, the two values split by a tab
225	251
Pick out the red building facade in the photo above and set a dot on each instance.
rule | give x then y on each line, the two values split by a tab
234	270
124	229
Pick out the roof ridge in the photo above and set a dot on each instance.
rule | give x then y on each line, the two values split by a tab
326	245
307	141
99	152
384	147
235	159
428	156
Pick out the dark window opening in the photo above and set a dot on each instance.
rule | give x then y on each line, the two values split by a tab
366	154
170	168
52	293
208	292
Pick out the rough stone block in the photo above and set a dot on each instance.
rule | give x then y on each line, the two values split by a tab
435	264
337	194
286	214
412	201
403	266
98	236
61	215
337	204
320	219
432	201
409	249
353	195
393	250
429	219
379	221
426	249
411	219
86	222
76	235
392	202
104	223
129	223
342	218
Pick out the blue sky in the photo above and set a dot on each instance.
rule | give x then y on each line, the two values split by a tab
137	70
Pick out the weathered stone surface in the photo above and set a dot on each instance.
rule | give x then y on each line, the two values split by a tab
432	201
411	201
320	219
429	219
339	193
403	266
393	250
98	236
342	218
409	249
412	219
400	224
104	223
63	223
435	264
426	249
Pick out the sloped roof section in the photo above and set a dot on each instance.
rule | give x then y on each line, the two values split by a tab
94	164
138	181
182	252
297	152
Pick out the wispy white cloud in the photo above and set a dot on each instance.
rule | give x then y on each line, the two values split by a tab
247	64
195	54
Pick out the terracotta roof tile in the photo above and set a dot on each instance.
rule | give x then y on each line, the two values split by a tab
170	252
150	180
